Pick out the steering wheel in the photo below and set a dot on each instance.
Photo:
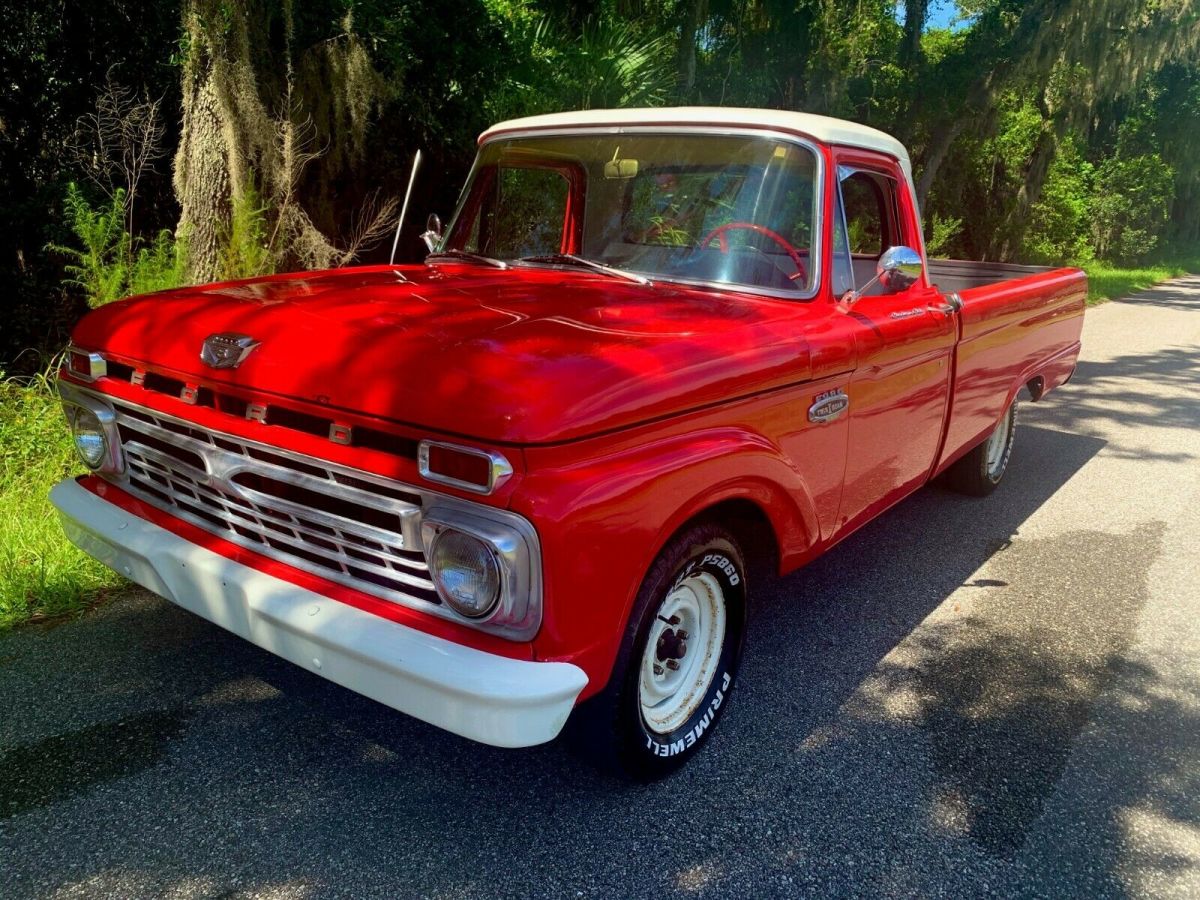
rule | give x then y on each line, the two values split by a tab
723	242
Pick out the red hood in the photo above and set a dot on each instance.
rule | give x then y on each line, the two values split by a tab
518	356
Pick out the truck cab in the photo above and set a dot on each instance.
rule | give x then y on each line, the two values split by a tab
653	354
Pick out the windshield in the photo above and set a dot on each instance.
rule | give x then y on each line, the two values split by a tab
736	210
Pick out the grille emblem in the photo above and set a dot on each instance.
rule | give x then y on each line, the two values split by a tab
226	350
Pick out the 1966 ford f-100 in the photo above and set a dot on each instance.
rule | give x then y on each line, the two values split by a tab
532	477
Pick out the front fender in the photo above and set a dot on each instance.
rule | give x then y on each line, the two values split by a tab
604	514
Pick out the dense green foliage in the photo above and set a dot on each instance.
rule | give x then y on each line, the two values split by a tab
1041	130
41	575
106	261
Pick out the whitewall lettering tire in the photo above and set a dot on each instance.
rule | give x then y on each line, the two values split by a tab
678	661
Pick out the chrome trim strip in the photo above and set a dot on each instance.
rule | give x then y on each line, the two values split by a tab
816	253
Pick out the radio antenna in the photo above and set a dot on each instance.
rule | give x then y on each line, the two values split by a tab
404	209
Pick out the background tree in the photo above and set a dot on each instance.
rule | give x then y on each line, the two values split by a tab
263	99
1042	130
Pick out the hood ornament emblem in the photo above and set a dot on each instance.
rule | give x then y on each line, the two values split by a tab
226	350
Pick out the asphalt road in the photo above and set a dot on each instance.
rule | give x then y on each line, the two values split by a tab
968	698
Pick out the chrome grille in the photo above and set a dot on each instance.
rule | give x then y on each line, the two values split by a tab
342	524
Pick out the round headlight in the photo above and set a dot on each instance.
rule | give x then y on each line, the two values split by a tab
90	442
466	573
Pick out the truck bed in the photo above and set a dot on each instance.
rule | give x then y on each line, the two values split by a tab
954	275
1018	326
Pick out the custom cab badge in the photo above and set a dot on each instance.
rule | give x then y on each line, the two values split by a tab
226	350
828	406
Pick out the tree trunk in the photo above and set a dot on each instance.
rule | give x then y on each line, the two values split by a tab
1016	223
915	13
201	181
935	155
245	127
693	16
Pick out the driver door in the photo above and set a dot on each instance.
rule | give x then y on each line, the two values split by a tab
899	391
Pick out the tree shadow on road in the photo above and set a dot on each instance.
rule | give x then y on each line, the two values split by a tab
1154	389
1177	294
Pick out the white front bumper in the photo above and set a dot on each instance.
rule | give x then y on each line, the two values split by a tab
488	698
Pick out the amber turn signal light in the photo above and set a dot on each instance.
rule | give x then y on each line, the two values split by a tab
88	366
463	467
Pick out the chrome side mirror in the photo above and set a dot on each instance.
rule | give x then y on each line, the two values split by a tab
899	269
432	236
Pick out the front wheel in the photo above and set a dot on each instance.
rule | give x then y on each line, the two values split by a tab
980	471
678	661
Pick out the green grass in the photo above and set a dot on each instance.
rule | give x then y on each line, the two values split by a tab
1107	282
42	576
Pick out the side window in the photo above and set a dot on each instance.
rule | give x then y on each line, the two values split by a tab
524	216
870	202
867	198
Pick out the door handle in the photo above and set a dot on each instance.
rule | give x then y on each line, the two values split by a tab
944	308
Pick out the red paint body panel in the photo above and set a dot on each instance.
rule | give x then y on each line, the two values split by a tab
523	356
605	507
1010	333
624	409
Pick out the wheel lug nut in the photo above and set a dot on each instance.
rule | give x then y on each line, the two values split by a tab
672	664
681	634
658	670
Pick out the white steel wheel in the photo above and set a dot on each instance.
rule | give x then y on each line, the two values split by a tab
683	652
676	666
980	470
999	445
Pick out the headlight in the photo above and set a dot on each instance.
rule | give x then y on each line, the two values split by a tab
90	441
93	429
466	573
486	566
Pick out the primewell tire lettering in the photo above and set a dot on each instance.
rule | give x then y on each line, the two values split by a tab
723	563
696	731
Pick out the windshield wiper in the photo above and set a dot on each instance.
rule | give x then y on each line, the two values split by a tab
467	256
570	259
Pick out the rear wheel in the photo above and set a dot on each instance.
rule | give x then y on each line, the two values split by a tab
980	471
677	663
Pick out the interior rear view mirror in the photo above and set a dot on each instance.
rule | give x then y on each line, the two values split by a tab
620	168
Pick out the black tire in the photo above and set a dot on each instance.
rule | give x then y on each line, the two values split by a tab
980	471
611	729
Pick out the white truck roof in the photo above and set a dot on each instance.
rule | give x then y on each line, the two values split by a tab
823	128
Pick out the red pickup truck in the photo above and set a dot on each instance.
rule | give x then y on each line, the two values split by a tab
654	353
